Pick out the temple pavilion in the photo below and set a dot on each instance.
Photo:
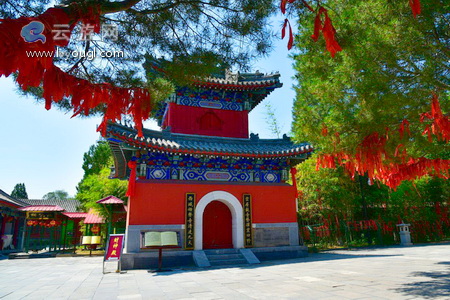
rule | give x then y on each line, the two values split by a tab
206	178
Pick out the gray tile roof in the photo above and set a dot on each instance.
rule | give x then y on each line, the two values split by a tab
238	80
7	198
183	143
69	205
258	84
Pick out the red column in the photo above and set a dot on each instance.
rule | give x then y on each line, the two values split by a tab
2	231
76	232
16	231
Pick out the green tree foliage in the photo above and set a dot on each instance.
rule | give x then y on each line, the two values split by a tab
56	195
19	191
97	158
390	64
96	183
324	192
97	186
188	37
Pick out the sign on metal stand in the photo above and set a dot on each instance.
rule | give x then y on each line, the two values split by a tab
114	249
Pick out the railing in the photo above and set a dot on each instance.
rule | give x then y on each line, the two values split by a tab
370	232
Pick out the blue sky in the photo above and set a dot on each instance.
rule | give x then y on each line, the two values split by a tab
44	149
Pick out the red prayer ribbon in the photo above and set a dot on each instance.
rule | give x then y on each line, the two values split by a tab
327	30
132	180
294	181
415	7
291	35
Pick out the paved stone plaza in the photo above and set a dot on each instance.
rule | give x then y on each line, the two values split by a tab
418	272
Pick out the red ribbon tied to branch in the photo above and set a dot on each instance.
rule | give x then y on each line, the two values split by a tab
291	35
132	180
283	5
294	181
440	125
415	7
327	30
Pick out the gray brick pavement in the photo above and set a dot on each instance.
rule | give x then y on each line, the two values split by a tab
418	272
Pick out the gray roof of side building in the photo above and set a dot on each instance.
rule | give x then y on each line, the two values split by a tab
69	205
7	198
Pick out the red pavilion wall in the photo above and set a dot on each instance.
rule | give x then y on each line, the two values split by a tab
188	120
158	203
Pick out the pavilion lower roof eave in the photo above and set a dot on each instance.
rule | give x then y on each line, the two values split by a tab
132	144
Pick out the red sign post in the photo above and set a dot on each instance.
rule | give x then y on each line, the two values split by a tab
114	249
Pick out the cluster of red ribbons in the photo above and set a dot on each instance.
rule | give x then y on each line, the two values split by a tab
440	123
372	160
57	84
326	28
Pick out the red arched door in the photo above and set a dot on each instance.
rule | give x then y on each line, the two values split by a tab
217	226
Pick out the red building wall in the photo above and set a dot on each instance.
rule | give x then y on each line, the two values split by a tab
206	121
157	202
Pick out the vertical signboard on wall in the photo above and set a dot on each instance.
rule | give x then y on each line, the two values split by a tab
248	231
190	214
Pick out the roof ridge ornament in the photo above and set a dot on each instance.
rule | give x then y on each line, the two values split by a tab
230	76
254	136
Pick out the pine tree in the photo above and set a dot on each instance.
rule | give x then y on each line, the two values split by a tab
372	96
19	191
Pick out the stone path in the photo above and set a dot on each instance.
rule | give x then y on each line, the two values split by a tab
418	272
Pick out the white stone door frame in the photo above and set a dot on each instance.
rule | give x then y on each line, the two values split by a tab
237	218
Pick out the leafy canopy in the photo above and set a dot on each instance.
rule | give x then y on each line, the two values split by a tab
96	183
56	195
390	64
97	158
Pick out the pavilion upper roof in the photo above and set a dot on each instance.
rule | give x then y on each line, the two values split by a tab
252	87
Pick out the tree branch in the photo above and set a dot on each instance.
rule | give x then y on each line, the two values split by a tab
180	2
114	7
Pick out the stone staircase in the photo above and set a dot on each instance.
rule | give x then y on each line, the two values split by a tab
225	257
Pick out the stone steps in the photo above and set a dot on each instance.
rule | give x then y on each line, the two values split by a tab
221	251
225	257
228	262
214	257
